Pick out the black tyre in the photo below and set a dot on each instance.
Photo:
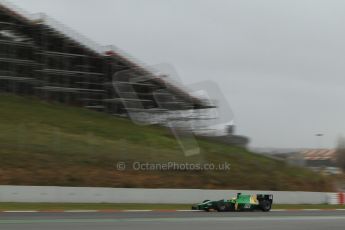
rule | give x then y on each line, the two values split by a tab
265	205
222	207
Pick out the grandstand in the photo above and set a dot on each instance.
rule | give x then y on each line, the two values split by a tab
39	56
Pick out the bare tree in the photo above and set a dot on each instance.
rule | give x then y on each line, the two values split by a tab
341	153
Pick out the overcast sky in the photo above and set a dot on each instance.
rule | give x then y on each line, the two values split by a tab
279	63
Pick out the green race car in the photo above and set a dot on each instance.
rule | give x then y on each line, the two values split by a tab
242	202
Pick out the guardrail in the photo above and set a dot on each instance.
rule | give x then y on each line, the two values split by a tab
132	195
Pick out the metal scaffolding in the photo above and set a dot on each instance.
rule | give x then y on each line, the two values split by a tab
40	56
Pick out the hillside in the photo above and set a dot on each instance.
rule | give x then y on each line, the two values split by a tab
53	144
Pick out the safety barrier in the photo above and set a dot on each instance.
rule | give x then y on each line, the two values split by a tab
124	195
336	198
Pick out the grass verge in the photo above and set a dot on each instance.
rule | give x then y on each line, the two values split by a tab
45	144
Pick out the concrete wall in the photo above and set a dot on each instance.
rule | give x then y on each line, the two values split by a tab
123	195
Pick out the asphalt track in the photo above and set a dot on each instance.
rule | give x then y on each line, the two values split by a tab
282	220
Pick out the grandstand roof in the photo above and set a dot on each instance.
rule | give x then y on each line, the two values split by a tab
319	154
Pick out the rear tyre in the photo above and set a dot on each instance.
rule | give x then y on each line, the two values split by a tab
266	206
222	207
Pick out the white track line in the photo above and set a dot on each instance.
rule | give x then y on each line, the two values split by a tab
19	211
81	211
312	209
